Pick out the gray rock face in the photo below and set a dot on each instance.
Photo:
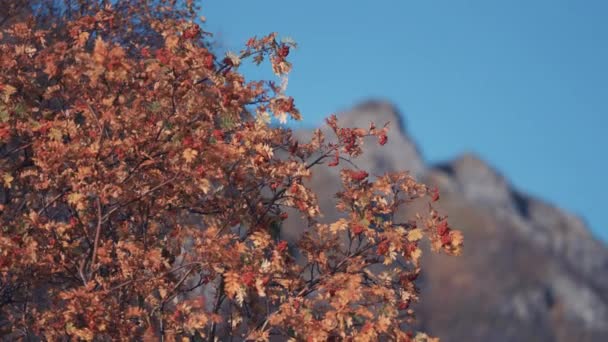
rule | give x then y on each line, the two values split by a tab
529	271
399	153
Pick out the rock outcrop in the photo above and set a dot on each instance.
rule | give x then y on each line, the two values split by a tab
529	271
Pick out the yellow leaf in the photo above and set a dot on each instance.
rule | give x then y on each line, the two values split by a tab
262	118
457	237
338	226
259	286
422	337
83	37
204	185
100	51
189	155
416	254
414	235
108	101
233	287
282	117
260	239
171	42
33	216
55	134
8	179
76	199
8	91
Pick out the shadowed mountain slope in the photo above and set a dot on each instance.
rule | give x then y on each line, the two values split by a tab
529	271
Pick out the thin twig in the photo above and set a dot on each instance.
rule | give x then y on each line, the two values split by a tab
173	291
51	202
128	282
118	206
97	233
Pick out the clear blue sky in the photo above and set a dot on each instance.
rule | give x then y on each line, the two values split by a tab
524	84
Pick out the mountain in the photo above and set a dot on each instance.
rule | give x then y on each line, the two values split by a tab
529	271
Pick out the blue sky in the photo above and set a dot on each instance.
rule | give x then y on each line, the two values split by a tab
524	84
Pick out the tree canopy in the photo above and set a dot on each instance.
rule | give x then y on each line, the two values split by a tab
143	184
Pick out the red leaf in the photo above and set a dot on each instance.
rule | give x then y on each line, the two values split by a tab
283	51
446	239
332	122
227	61
357	229
442	228
218	134
382	139
188	141
358	175
281	246
335	161
201	171
163	55
208	61
191	32
382	248
293	148
435	194
248	278
403	305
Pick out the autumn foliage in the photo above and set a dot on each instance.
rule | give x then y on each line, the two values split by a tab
144	185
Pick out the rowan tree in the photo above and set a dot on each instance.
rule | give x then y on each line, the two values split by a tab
143	181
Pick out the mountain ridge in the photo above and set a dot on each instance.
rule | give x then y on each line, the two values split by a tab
529	271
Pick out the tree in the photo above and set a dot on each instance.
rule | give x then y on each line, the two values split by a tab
143	185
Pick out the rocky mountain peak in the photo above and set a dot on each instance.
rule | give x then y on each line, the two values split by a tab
380	112
530	270
477	180
400	152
